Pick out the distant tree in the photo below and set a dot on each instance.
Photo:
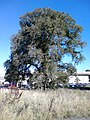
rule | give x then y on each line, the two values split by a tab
87	70
11	71
45	38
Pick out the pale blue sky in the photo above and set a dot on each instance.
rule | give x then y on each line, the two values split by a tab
11	10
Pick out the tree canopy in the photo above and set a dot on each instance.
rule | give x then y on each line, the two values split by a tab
45	38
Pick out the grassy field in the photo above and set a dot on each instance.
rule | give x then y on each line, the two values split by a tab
45	105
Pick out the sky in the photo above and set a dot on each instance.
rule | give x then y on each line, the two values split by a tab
11	10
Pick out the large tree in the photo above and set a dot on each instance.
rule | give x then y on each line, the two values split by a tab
45	38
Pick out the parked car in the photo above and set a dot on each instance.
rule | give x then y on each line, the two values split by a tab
25	87
6	84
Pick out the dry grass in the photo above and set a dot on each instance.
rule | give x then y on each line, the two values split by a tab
48	105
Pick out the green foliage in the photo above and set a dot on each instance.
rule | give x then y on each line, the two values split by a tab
46	36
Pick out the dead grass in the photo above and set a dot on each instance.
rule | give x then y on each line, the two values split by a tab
48	105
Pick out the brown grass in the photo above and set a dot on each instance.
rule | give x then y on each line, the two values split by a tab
48	105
